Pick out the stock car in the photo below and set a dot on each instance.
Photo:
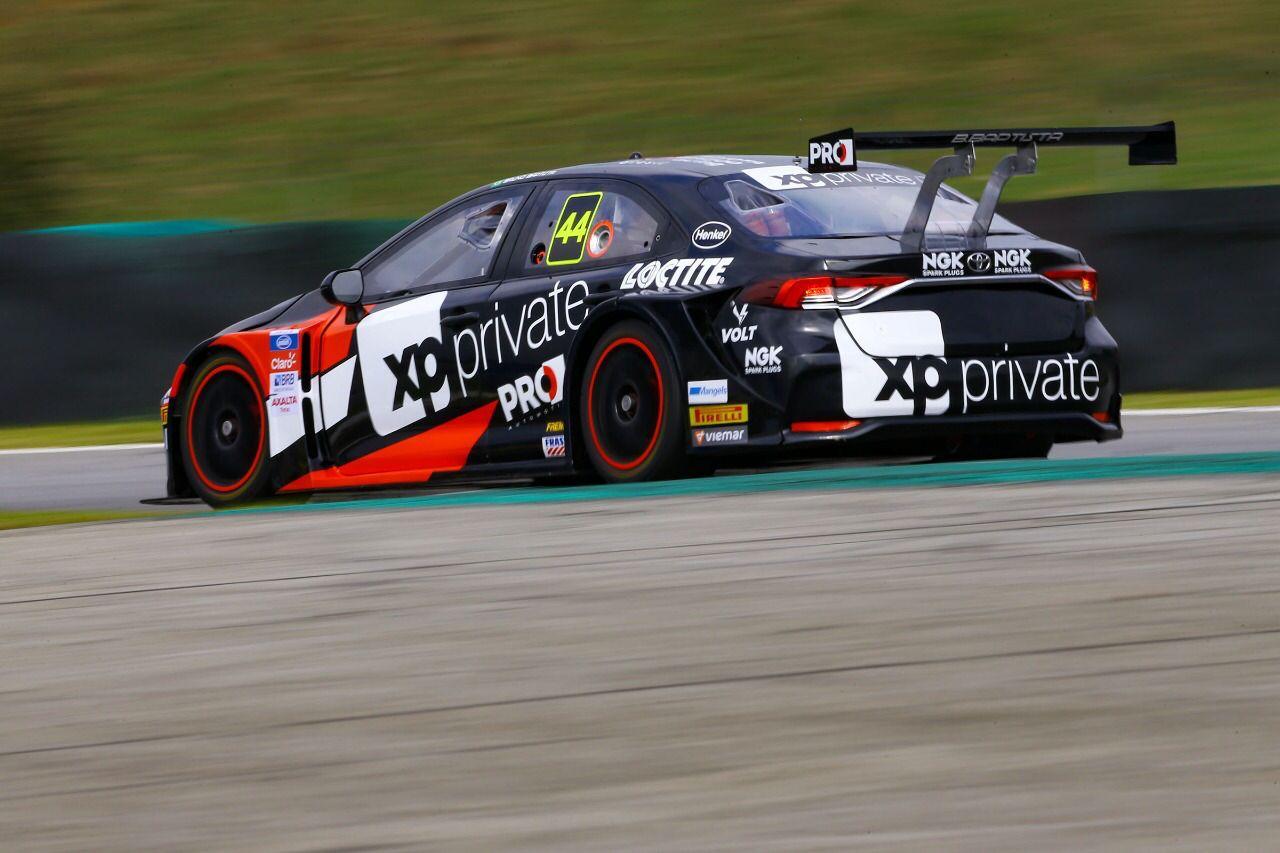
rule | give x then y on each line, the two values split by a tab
650	317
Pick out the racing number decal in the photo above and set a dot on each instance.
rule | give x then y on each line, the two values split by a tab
569	238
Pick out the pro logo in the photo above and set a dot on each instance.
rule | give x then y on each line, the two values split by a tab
530	393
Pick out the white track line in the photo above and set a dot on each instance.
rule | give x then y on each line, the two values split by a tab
1218	410
22	451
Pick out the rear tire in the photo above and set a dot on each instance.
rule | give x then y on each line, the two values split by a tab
971	448
224	433
629	407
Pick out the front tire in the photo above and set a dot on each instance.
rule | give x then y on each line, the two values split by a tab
629	407
224	433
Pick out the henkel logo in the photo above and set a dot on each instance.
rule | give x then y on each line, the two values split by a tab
403	363
942	264
528	394
763	360
716	415
832	152
709	235
1009	261
283	340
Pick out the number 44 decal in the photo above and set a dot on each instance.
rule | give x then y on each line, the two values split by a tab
569	239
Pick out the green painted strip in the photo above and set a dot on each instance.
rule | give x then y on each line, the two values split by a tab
161	228
850	477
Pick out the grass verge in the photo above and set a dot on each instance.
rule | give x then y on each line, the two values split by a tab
128	431
15	519
1195	399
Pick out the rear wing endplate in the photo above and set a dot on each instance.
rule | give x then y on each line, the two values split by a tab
1150	145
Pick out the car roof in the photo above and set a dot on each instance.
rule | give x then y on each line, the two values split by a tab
689	166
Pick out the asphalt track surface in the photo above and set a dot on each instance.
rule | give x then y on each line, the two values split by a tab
1075	660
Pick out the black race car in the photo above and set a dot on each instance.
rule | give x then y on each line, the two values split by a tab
645	318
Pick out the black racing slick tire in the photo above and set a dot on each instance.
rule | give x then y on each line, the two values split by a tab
629	407
974	448
224	432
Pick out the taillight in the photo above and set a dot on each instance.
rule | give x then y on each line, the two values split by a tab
1081	280
818	291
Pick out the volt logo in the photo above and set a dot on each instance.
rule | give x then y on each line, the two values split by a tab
528	394
403	363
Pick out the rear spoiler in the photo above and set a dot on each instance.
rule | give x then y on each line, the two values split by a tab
1150	145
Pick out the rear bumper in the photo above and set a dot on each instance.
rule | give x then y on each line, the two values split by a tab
1061	426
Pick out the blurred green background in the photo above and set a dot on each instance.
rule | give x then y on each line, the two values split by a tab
113	110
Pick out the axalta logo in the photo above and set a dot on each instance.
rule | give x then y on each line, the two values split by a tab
684	272
709	235
528	394
715	415
1012	261
942	264
283	340
762	360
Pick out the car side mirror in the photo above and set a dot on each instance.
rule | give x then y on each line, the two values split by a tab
343	287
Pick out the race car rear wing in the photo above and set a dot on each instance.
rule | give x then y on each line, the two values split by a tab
1151	145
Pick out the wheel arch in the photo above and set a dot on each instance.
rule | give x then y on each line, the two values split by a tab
597	324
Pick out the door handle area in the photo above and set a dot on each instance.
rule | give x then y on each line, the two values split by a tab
463	319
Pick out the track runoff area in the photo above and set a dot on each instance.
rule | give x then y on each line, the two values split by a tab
1068	654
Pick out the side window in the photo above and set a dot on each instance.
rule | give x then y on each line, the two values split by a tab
460	246
586	227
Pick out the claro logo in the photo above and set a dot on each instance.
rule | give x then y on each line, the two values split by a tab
710	235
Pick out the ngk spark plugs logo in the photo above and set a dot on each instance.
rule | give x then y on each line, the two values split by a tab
403	363
528	394
937	264
919	380
1012	261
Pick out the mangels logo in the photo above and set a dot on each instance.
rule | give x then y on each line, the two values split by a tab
832	152
528	394
709	235
402	363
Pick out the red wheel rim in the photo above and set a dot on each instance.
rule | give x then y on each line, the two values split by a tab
591	416
262	431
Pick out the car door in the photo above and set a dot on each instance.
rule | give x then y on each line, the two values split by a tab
397	403
578	242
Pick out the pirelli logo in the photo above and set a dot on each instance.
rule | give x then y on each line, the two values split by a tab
701	416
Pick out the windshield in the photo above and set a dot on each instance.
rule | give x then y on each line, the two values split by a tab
788	201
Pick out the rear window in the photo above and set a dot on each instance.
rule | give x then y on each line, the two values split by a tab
788	201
